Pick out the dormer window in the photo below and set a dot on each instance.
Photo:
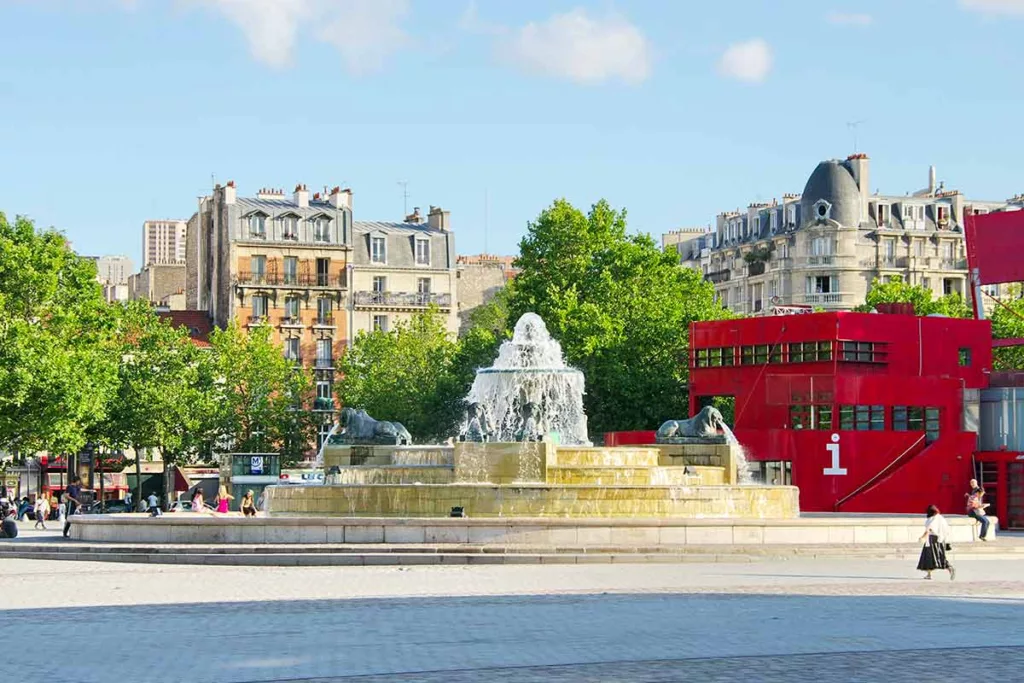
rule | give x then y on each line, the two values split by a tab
378	250
290	227
822	210
422	252
258	226
321	229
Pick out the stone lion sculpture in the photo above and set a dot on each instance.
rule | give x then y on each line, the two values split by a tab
705	423
359	428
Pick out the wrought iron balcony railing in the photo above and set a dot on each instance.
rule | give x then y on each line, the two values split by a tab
401	299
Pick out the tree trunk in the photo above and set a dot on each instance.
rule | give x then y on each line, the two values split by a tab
138	476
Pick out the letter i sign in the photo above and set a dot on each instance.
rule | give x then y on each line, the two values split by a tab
833	448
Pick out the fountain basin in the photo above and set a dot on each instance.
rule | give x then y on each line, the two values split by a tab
536	500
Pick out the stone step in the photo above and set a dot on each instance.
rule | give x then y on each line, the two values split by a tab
568	456
623	476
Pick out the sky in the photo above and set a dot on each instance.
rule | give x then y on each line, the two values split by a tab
113	112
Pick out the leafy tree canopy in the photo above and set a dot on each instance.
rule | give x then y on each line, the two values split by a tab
897	290
263	400
1008	323
621	308
56	366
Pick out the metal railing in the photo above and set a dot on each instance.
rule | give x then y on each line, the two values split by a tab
823	298
953	264
324	320
401	299
324	363
718	276
258	279
291	321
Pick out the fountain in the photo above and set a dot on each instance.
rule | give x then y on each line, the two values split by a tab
529	392
523	452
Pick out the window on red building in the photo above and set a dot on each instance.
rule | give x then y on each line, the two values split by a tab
808	352
862	418
810	417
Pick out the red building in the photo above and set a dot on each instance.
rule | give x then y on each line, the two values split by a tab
863	412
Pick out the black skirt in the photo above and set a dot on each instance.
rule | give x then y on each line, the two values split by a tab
933	556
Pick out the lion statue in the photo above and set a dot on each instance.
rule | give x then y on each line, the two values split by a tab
359	428
705	423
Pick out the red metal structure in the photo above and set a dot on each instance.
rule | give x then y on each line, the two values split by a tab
864	412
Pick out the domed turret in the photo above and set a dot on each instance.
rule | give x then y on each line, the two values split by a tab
832	193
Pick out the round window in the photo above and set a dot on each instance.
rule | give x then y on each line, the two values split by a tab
822	210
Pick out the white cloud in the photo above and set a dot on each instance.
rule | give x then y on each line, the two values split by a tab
994	6
365	32
581	48
749	61
849	19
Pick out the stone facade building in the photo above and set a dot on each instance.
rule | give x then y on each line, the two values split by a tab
401	268
158	284
479	278
824	247
303	266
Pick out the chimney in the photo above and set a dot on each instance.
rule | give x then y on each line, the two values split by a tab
858	165
415	216
341	199
302	196
230	192
439	220
931	179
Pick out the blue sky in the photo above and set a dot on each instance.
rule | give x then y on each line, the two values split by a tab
117	111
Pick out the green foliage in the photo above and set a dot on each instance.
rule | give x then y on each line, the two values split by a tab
263	401
1008	323
56	369
621	308
759	254
899	291
405	375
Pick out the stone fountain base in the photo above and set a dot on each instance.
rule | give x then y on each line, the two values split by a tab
534	479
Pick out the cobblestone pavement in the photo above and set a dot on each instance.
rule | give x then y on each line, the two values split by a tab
770	621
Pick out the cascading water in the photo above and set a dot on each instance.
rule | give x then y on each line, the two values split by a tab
320	453
530	392
738	454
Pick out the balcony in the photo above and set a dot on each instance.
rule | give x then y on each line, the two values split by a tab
291	321
718	276
258	320
820	298
251	279
295	358
755	268
953	264
324	364
325	320
402	299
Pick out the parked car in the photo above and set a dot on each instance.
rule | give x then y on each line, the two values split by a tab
110	507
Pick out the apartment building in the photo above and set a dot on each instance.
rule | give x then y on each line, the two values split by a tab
303	266
824	247
479	278
163	242
401	268
112	272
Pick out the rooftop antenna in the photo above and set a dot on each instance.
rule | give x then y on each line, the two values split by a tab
853	125
486	220
405	197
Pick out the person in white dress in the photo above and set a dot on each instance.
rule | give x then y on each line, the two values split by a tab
936	543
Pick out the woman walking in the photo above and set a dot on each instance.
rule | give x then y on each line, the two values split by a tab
935	536
42	510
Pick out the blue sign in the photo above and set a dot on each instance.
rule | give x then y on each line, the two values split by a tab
256	464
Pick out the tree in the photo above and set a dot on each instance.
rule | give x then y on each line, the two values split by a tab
405	375
56	369
1008	323
897	290
264	400
621	308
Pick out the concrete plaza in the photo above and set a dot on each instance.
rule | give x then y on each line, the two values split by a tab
796	620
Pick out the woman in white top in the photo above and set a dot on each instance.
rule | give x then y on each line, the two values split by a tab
935	537
42	510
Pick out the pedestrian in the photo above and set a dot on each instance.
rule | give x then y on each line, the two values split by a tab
62	510
24	508
42	511
153	502
976	508
198	504
261	503
128	501
224	499
74	498
248	504
936	543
